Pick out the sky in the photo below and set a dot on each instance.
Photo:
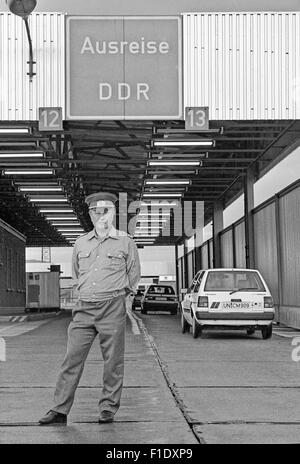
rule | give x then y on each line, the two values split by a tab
165	7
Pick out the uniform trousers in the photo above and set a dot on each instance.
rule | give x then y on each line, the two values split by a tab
108	319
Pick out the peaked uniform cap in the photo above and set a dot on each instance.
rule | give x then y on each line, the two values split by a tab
93	199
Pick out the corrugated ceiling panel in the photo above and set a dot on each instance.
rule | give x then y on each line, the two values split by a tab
20	98
244	66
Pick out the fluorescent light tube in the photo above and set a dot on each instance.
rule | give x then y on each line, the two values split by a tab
22	155
71	234
152	230
23	172
48	200
62	218
56	211
72	229
156	195
155	215
171	203
167	182
174	163
73	224
152	220
40	189
15	130
182	143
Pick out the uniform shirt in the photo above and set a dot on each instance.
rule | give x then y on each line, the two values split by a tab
104	268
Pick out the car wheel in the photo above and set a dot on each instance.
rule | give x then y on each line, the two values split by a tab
266	331
143	311
185	327
174	312
250	331
196	329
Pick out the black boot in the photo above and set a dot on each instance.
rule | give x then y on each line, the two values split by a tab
53	417
106	416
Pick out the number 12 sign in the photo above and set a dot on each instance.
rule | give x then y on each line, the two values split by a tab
50	119
196	118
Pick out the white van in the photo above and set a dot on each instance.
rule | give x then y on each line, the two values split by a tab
228	299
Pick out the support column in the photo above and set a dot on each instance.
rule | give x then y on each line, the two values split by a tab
217	227
279	257
186	271
176	269
248	207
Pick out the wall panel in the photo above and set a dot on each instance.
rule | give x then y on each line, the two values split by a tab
204	256
289	210
240	245
266	248
12	269
226	249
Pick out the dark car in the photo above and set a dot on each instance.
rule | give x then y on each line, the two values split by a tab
136	303
159	298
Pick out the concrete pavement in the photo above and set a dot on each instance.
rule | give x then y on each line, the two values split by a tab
224	387
148	413
234	388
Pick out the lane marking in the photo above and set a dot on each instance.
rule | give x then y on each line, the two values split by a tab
284	335
20	328
286	332
4	329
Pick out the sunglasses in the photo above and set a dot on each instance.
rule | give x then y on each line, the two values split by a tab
101	210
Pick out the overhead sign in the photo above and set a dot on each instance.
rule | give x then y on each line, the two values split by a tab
197	118
124	67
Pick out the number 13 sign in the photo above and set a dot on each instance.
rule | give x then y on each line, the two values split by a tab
50	119
196	118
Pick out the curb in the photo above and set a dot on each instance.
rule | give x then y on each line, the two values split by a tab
29	317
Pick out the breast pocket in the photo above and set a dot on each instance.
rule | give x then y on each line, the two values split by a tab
115	260
84	260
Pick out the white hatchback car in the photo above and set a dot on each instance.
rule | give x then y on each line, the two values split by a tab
228	299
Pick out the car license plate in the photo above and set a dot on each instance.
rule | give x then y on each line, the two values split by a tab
241	305
161	298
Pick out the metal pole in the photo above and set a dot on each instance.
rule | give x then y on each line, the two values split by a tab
30	62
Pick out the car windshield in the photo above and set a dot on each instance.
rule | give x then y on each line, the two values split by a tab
160	290
230	281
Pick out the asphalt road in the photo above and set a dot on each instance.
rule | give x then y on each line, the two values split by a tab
224	387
